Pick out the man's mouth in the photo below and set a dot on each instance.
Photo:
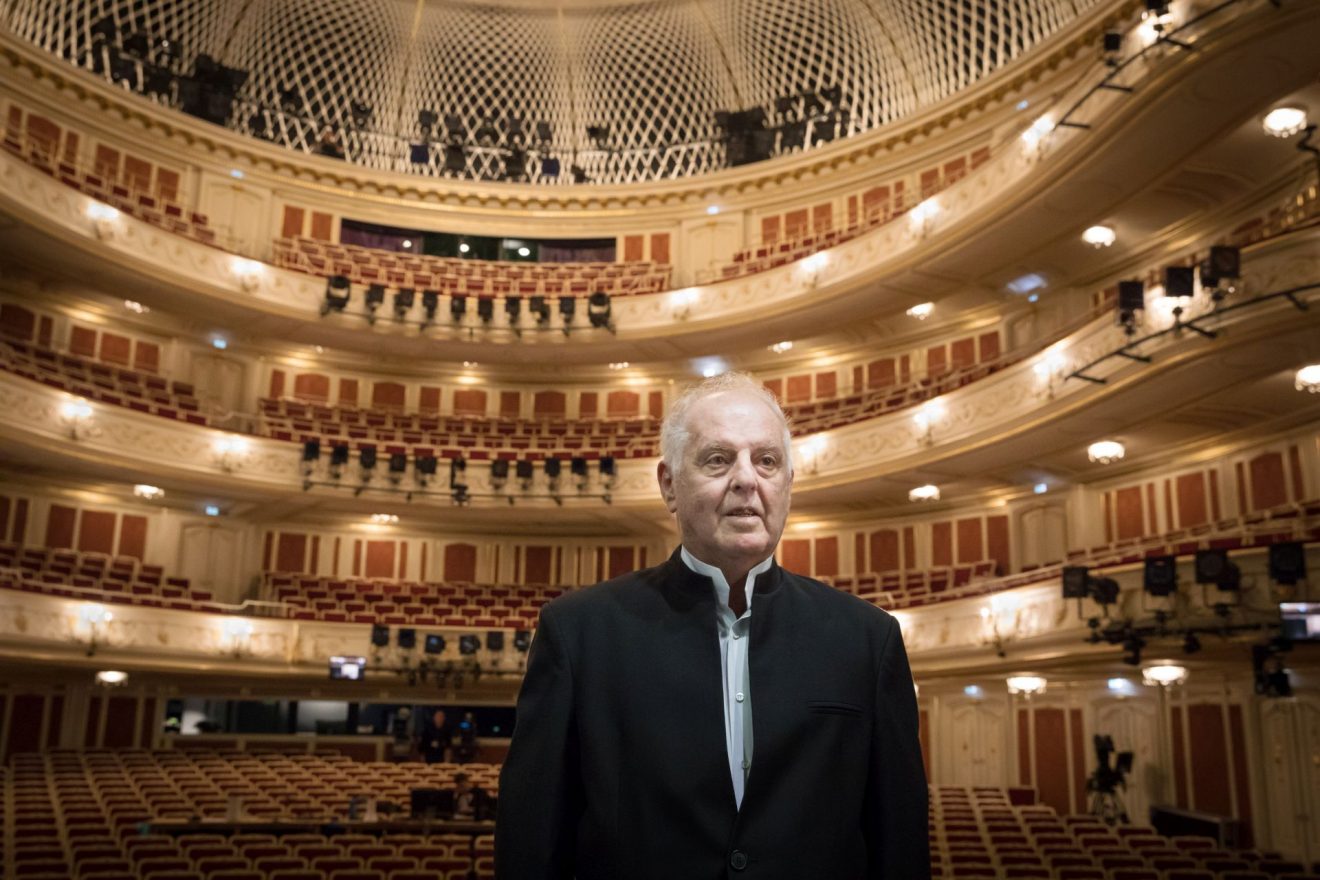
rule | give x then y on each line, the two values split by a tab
742	511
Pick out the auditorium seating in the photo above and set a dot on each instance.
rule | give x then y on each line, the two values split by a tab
460	277
123	194
105	383
77	574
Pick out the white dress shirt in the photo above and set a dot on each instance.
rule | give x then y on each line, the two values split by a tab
734	644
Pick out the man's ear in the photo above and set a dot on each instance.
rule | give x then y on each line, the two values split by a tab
665	477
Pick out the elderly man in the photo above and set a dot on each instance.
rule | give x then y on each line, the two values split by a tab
716	716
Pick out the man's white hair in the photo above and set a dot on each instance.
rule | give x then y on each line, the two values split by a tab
674	433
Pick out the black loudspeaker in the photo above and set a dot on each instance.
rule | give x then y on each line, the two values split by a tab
1131	296
380	635
367	457
1214	567
522	640
523	469
1224	262
406	637
1179	281
495	641
1161	575
1074	581
1287	563
499	469
311	450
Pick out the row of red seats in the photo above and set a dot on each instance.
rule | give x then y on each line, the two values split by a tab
285	411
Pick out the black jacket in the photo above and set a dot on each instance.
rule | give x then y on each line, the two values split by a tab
618	767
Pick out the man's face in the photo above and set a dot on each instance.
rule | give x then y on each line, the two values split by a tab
439	718
730	492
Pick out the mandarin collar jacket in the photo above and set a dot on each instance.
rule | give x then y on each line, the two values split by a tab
618	765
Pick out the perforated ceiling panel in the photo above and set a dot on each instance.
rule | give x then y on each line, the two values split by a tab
627	91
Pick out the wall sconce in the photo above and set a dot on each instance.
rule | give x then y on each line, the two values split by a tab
94	617
682	301
809	452
105	220
925	419
1033	138
923	215
230	452
238	635
248	272
812	266
1026	685
1163	673
1049	371
76	415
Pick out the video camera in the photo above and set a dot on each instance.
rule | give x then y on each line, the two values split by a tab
1107	779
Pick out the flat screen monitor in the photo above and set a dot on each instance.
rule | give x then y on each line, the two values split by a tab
431	803
1300	621
348	668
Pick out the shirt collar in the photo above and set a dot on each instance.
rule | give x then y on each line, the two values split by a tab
717	577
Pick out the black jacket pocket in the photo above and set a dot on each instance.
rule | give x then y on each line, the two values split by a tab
834	707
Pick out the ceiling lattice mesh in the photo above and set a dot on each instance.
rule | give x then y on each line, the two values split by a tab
648	76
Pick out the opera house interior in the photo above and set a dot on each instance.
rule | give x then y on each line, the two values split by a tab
336	337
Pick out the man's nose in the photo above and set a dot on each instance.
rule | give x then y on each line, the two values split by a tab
743	472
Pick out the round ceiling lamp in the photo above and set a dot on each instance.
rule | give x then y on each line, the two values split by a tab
1026	684
1308	379
1099	236
925	493
1282	122
1164	674
1106	451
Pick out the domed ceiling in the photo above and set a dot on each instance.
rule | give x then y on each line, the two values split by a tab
625	91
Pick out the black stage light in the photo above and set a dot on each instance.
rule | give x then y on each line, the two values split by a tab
290	102
257	126
598	309
435	643
1113	42
1075	578
499	470
486	133
567	308
457	306
337	292
522	640
419	154
544	132
311	450
552	468
833	94
1214	567
138	45
550	167
579	174
380	635
430	302
607	468
598	134
426	120
793	135
455	158
577	466
360	112
375	295
339	454
1103	590
454	127
512	308
784	105
1191	644
538	306
104	30
1132	650
403	301
513	130
515	165
398	462
812	105
523	469
495	641
1131	296
406	638
468	644
485	308
367	457
1287	563
426	465
1161	575
1224	263
1179	281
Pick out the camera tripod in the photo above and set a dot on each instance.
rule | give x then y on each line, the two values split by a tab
1109	806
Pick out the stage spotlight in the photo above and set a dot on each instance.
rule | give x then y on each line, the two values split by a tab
515	165
577	466
523	470
367	457
380	635
468	644
454	127
833	94
540	308
544	132
1214	567
567	309
430	302
598	309
512	308
485	308
419	154
426	120
486	134
598	134
374	297
553	466
311	451
1271	676
424	467
403	301
579	174
458	474
1113	44
1223	264
607	469
1161	575
1074	581
457	306
290	102
337	292
495	641
522	640
550	167
499	473
434	644
1191	644
339	455
455	158
1131	299
361	113
398	465
406	638
1132	649
1287	563
1179	282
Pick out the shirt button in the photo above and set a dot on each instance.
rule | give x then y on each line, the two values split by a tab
738	697
737	636
738	860
746	763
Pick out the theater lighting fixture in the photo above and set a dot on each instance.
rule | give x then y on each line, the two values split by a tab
1121	686
921	311
781	347
619	365
135	307
229	452
1163	673
464	247
920	217
469	364
1099	236
148	493
112	678
212	510
407	243
248	272
384	519
927	492
1106	451
1026	685
712	210
524	252
1040	488
1035	135
74	414
1308	379
599	309
1283	122
1026	284
337	291
105	219
682	301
